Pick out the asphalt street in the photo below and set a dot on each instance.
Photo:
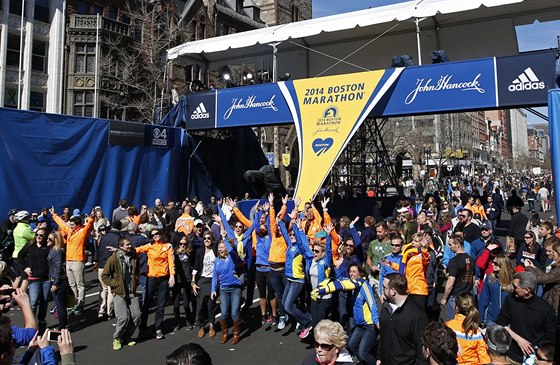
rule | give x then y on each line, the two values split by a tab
93	341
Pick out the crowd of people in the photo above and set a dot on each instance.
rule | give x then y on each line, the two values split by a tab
430	283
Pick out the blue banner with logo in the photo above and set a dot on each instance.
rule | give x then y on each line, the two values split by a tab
443	87
525	79
159	136
201	110
252	105
554	127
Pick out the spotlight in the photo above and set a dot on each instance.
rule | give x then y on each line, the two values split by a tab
249	76
286	77
226	76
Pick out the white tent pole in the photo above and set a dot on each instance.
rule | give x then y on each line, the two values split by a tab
274	61
417	21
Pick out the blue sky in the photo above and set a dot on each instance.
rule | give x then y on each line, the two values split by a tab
530	37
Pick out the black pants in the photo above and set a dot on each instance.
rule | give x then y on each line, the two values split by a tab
188	302
204	304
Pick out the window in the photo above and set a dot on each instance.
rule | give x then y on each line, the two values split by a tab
98	9
295	13
12	57
85	58
83	104
15	7
239	6
201	28
225	29
83	7
39	56
10	100
113	12
42	10
125	19
37	101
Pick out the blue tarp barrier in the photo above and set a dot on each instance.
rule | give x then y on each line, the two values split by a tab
67	161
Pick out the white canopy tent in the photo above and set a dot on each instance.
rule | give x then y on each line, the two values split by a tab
367	39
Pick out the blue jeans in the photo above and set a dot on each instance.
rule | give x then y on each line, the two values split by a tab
161	286
279	281
230	302
142	282
291	293
319	310
450	307
362	343
38	295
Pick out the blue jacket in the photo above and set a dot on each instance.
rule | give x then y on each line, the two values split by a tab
491	299
246	238
295	268
224	270
363	301
324	265
356	259
263	249
385	270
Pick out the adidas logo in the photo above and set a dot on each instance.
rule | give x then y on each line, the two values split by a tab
526	81
200	112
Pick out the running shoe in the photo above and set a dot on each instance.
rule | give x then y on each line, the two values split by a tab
274	321
130	343
117	345
53	310
159	335
266	321
282	322
177	328
305	332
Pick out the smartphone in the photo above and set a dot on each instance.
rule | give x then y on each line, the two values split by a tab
8	291
52	336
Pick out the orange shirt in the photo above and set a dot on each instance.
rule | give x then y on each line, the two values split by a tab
472	348
185	224
161	261
278	245
75	239
335	237
416	263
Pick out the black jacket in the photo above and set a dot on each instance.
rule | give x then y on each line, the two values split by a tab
109	239
400	340
35	257
199	259
533	319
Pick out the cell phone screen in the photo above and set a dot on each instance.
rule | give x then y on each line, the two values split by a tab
52	336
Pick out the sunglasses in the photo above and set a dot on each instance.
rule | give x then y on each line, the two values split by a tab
237	226
40	235
155	234
463	216
392	245
50	239
324	346
183	243
347	245
317	251
208	238
528	237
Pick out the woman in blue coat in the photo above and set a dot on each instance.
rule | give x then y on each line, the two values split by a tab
495	289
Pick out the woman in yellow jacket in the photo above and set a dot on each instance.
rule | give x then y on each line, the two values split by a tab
472	348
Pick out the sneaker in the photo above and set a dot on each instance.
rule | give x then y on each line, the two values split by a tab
159	335
100	317
282	322
117	345
305	332
177	328
130	343
77	311
266	321
298	325
53	310
274	321
189	327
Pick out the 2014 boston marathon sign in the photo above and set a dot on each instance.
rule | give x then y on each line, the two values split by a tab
327	111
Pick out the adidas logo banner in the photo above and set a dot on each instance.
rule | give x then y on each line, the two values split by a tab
201	111
525	79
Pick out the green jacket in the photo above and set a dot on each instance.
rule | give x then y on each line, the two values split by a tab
112	274
22	235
